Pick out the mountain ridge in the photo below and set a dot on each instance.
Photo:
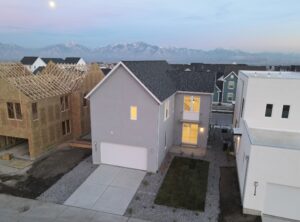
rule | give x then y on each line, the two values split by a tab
145	51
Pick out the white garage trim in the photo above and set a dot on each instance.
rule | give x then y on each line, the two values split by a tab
282	201
123	155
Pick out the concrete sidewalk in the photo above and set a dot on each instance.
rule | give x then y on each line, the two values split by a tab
16	209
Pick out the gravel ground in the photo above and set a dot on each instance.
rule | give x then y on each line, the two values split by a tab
64	187
142	205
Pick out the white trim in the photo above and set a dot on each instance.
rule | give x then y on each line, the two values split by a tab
229	74
221	78
128	70
218	88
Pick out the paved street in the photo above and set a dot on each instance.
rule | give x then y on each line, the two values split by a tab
16	209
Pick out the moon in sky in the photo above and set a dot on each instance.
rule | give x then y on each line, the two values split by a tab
52	4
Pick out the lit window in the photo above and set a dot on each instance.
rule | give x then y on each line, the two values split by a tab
167	109
231	84
285	111
34	111
191	103
269	109
133	112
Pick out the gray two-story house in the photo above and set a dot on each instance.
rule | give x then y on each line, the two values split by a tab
143	108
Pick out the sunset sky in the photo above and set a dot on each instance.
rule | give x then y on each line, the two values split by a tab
256	25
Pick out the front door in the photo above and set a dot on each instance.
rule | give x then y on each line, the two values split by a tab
190	133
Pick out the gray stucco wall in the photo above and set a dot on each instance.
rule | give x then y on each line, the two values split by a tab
165	129
204	116
226	90
110	115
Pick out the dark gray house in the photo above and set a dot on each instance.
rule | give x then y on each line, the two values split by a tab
143	108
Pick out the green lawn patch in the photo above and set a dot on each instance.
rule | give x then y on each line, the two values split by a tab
185	184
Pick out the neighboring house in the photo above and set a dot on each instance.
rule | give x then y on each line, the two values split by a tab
75	61
142	108
32	63
54	60
229	80
44	109
267	143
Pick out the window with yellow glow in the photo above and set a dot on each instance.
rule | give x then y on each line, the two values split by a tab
133	112
192	104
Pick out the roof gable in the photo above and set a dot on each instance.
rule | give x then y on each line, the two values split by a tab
29	60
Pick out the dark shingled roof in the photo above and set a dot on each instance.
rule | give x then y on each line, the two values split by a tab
153	74
163	81
54	60
193	81
105	70
28	60
72	60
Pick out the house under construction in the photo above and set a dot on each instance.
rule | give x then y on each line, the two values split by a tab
44	109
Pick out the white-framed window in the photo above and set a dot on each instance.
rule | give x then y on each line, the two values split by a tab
167	110
191	104
229	97
133	113
231	85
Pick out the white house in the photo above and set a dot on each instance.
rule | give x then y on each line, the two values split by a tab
33	63
267	142
143	108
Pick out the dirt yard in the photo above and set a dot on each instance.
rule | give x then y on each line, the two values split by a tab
230	199
43	173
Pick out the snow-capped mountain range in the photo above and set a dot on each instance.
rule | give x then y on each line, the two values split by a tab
144	51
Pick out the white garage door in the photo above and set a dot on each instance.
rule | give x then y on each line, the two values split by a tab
282	201
125	156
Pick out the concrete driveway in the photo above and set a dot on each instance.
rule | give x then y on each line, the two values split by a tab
108	189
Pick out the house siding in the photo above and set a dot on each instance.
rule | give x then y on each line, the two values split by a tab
110	115
166	128
204	116
226	90
216	96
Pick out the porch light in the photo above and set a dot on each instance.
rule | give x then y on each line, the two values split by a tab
201	130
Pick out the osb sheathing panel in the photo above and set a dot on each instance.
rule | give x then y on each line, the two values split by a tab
46	131
12	127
